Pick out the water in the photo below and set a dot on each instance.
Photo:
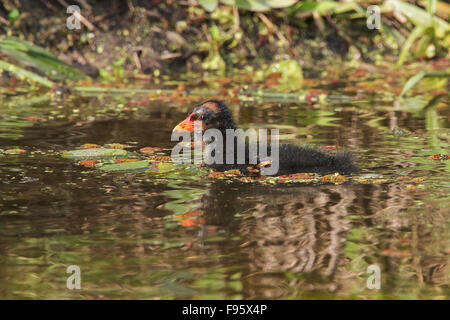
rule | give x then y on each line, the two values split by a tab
135	236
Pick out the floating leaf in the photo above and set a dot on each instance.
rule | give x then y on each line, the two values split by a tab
160	159
243	179
166	167
372	181
90	146
97	153
302	176
371	176
15	151
252	169
334	178
149	150
264	164
133	165
88	163
116	146
216	174
233	172
125	160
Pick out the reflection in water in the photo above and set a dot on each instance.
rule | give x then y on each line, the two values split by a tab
136	237
304	230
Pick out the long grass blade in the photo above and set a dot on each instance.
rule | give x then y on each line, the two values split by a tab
39	58
25	74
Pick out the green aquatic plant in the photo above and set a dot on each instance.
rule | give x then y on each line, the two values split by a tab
251	5
416	78
97	153
325	7
214	60
289	74
430	33
28	54
133	165
13	15
25	74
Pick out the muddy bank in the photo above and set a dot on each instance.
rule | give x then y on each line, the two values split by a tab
159	37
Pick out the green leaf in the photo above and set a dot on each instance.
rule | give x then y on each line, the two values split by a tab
22	73
105	75
424	43
419	16
252	5
431	7
320	7
215	32
413	80
13	15
291	74
352	250
416	33
13	128
119	62
39	58
164	167
136	165
209	5
214	62
280	3
260	5
324	7
98	153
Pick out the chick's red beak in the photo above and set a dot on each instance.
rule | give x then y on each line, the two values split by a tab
187	125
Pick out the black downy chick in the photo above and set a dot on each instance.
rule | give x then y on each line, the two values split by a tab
292	159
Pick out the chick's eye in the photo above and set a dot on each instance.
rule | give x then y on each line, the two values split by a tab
203	117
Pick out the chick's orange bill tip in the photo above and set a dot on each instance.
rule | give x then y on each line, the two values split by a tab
183	127
187	125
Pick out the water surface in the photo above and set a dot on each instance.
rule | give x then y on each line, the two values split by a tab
134	236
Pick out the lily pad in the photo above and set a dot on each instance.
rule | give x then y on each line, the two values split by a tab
88	163
164	167
149	150
90	146
96	153
134	165
15	151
